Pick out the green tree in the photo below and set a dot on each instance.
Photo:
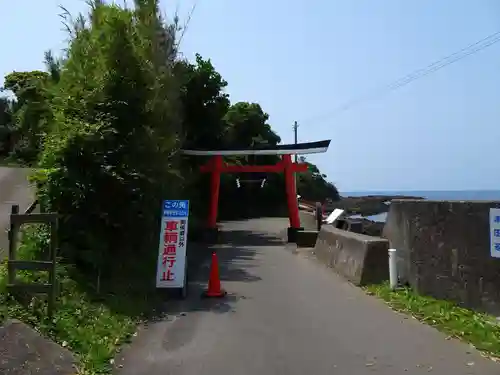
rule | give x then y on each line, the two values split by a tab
111	155
204	104
53	66
24	84
31	112
247	126
313	186
6	125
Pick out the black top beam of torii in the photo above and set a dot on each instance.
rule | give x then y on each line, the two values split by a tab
288	149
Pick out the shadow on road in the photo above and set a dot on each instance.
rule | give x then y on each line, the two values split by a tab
176	322
237	256
249	238
236	263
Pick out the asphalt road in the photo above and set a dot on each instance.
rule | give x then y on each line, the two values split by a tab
14	189
287	314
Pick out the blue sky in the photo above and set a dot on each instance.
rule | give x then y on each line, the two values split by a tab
303	59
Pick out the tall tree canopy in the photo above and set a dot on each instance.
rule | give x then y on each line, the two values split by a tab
247	125
32	114
105	124
204	103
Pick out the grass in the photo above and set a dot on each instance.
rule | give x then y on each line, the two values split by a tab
92	328
480	330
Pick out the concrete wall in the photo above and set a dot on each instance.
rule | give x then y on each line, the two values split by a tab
359	258
444	250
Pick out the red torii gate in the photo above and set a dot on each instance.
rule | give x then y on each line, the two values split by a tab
216	165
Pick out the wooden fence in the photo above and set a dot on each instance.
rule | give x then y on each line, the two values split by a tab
49	265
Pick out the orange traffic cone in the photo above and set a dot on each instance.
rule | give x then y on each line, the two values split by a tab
214	288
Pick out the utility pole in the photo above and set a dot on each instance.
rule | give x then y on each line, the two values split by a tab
295	127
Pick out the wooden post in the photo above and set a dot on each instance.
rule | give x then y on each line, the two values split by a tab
50	288
11	271
54	247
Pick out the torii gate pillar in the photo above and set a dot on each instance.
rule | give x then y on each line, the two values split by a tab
291	197
216	167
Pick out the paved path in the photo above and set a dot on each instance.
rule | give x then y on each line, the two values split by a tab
287	314
14	188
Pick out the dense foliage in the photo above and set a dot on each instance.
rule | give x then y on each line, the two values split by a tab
31	114
105	124
313	186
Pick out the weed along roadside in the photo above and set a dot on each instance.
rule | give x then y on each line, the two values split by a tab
370	263
480	330
92	324
79	320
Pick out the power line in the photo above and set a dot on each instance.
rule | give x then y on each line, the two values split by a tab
186	24
417	74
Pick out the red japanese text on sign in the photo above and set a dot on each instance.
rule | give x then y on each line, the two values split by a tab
171	225
169	252
169	249
168	261
170	237
167	275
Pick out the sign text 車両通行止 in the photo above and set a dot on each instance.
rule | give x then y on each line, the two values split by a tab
495	232
172	249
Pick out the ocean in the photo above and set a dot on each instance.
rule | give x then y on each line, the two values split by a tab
458	195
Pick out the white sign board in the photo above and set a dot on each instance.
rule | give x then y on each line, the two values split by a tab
495	232
334	216
171	266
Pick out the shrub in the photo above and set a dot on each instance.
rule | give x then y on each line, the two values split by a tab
111	156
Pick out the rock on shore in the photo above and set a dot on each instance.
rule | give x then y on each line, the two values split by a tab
366	206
